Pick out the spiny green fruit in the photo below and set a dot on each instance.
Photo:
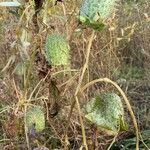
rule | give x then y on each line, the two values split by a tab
94	13
106	111
35	118
57	50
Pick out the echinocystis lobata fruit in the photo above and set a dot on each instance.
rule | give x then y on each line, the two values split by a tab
106	111
35	118
57	50
94	13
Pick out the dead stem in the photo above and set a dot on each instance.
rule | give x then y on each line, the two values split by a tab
106	80
76	101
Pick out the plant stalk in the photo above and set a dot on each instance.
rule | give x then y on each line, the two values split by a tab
106	80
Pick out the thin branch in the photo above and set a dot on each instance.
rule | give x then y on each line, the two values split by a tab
76	101
106	80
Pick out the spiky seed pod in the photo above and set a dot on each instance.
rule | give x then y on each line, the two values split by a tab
94	13
35	119
106	111
57	50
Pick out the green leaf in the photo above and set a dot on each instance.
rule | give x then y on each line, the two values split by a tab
129	143
106	111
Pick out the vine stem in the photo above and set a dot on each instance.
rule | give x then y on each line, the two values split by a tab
106	80
25	128
76	101
86	62
79	86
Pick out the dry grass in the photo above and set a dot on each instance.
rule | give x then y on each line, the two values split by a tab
120	51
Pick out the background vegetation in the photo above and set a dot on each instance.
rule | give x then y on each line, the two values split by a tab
121	52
